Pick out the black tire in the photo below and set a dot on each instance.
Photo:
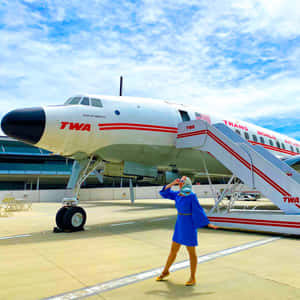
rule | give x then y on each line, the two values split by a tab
74	218
59	217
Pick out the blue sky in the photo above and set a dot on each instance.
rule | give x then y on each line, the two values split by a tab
238	58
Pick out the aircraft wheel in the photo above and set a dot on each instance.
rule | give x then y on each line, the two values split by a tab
74	218
59	217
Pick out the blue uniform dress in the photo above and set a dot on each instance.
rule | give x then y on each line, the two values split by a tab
190	217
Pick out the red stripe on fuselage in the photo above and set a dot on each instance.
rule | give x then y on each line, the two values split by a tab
139	128
132	126
269	147
136	125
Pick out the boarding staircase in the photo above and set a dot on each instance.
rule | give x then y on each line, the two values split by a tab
252	164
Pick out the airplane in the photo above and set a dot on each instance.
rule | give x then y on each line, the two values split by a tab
128	136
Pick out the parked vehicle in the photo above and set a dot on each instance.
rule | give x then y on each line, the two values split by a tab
247	198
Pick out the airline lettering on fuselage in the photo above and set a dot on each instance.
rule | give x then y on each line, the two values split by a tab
288	199
235	125
266	135
75	126
291	143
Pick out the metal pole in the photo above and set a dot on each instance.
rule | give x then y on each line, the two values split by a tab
38	188
131	191
212	188
121	85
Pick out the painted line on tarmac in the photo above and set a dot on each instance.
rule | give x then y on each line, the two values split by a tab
121	224
14	236
123	281
159	219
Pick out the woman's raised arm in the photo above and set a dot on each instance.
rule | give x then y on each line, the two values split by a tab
166	190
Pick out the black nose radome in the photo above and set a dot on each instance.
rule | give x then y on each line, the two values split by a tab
25	124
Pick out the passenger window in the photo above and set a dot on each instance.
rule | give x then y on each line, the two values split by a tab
271	142
292	148
184	116
246	135
85	101
96	102
262	140
75	100
238	132
254	137
282	146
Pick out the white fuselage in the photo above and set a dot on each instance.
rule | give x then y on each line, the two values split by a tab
143	131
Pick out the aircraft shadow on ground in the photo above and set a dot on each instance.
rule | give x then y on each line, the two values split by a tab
132	207
106	229
144	206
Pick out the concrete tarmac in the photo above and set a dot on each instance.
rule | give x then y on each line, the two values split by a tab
124	243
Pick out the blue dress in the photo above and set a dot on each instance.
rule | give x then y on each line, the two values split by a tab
190	217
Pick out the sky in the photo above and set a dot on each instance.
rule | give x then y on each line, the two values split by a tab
238	58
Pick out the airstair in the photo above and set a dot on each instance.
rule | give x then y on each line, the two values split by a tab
256	167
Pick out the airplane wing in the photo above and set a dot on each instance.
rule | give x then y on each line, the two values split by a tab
294	162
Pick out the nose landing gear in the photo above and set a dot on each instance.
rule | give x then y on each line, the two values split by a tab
71	217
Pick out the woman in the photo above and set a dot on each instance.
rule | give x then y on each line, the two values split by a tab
190	217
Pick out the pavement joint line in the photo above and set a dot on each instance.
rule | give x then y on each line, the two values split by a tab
121	224
126	280
14	236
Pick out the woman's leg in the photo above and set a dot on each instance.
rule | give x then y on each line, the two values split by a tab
193	262
172	256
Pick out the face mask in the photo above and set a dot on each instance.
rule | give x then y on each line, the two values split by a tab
186	190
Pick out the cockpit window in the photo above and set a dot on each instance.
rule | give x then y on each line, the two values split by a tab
67	102
96	102
85	101
74	100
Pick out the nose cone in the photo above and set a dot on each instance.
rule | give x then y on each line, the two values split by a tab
25	124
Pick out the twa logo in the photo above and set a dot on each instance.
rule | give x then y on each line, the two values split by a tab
235	125
190	127
288	199
75	126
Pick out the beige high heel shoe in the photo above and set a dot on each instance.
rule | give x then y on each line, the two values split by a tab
162	276
190	282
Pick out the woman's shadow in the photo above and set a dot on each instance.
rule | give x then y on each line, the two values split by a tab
176	291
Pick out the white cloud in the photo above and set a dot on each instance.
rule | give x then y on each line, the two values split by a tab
239	58
277	18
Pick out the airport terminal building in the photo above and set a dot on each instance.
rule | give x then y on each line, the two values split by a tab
25	167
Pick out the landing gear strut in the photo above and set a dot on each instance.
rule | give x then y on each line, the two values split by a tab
72	217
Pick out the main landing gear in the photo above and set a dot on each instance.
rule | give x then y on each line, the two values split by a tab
72	217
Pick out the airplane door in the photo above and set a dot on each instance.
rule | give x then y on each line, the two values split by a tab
184	115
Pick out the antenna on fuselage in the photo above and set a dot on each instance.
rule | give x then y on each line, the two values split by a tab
121	85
